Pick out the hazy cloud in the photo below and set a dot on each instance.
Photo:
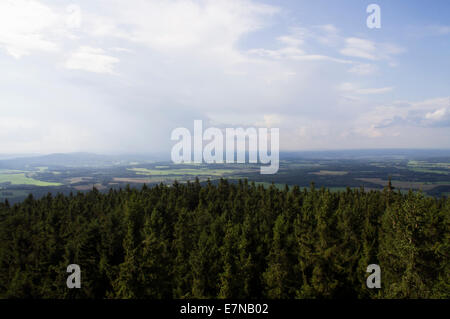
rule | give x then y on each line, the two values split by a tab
91	59
370	50
118	76
26	26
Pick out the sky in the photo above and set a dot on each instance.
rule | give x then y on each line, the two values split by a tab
110	76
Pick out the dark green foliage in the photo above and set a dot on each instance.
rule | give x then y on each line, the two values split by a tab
226	241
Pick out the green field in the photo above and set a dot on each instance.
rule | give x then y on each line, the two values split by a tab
427	167
183	171
22	179
428	170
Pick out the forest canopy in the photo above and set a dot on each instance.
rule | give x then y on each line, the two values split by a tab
230	240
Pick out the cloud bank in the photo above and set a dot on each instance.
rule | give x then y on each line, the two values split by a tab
119	76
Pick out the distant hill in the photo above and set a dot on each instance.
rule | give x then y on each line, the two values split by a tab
82	159
73	160
368	154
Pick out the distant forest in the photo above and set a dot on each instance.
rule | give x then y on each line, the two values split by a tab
230	240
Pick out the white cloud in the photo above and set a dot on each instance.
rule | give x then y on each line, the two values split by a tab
374	90
422	114
329	28
293	42
74	18
181	24
363	69
283	53
370	131
327	34
23	26
359	48
92	60
436	115
270	120
290	40
125	50
370	50
355	89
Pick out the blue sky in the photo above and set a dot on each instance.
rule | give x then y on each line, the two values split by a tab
118	76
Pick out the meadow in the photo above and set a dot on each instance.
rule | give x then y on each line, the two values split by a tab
15	178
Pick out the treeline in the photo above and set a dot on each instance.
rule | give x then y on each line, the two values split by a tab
226	241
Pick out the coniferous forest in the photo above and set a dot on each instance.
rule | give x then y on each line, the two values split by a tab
230	240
